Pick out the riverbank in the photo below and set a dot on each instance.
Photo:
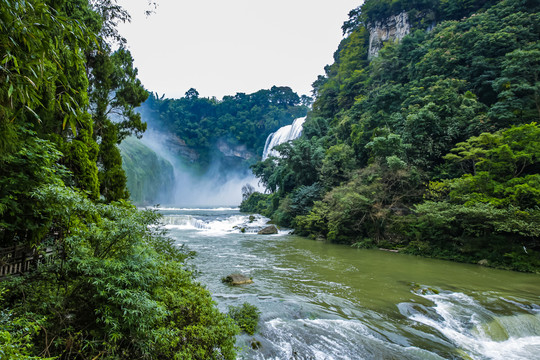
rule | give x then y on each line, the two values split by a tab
403	231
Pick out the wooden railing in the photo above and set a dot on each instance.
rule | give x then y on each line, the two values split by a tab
16	260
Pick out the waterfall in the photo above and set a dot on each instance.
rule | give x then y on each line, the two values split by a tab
284	134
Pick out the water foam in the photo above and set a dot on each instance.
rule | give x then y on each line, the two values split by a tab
477	331
333	339
215	226
183	222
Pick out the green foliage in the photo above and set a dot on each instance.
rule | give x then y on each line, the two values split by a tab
30	63
114	89
519	86
112	178
499	196
246	316
112	285
364	207
22	218
376	10
118	288
257	203
507	237
455	106
80	157
337	165
16	336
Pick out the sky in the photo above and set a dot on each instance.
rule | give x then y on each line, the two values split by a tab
221	47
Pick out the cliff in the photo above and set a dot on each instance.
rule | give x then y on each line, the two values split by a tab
394	27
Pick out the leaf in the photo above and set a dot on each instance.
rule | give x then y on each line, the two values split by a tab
30	81
10	91
73	125
33	112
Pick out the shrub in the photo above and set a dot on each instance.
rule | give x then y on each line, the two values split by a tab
246	317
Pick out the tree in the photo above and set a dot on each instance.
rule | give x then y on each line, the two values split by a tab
247	190
36	73
518	87
114	92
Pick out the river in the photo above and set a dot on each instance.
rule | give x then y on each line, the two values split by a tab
327	301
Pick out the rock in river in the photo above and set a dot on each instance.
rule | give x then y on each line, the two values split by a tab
237	279
269	230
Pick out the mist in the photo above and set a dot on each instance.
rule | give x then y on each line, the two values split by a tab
217	186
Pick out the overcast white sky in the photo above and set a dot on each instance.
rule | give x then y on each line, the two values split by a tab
221	47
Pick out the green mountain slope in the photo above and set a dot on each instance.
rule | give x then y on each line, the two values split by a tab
432	145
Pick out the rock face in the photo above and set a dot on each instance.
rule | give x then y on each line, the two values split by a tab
393	28
239	151
269	230
179	147
151	184
237	279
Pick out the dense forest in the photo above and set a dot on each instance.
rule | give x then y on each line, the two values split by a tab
242	119
432	147
102	281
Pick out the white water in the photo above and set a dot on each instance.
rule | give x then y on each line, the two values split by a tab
284	134
207	224
479	333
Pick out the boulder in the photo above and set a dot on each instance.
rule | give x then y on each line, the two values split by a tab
237	279
269	230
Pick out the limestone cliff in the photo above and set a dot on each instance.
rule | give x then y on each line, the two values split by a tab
393	28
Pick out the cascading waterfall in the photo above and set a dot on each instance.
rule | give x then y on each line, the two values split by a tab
284	134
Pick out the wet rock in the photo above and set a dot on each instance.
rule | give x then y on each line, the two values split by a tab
241	228
269	230
237	279
255	344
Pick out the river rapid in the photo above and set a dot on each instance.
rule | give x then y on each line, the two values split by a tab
325	301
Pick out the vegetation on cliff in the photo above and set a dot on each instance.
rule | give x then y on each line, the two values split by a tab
150	178
431	148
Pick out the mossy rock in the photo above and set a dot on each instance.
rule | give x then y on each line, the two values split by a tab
237	279
269	230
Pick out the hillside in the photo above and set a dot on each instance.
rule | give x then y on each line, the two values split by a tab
423	136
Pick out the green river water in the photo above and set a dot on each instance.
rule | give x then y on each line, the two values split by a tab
325	301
